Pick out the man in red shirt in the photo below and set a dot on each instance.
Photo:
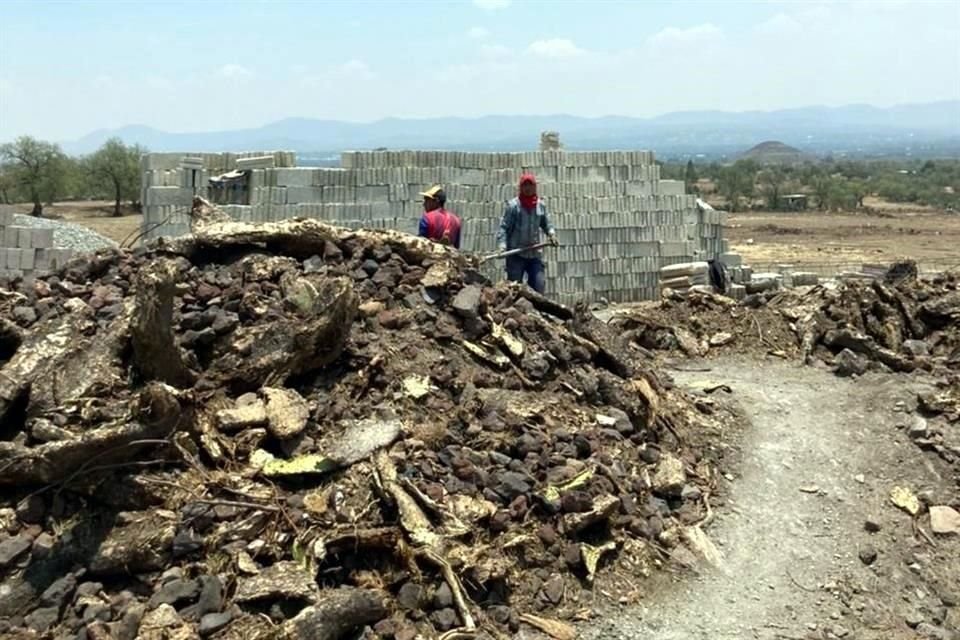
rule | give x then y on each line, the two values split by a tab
437	223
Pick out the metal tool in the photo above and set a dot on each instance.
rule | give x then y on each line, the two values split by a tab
513	252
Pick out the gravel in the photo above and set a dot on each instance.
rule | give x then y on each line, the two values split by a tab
67	235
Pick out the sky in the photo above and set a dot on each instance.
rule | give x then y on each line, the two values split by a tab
68	68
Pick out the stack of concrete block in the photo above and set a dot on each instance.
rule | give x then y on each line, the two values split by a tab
617	222
26	251
685	276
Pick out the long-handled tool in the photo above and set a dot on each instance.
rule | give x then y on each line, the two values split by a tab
513	252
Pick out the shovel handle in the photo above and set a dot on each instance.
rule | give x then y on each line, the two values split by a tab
513	252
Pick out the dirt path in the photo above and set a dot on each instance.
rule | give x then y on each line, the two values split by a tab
818	461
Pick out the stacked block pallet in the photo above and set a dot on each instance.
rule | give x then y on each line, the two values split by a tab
26	251
617	222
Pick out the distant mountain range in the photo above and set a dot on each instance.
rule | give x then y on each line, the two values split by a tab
854	129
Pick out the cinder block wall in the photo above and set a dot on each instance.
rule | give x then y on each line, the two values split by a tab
26	251
617	222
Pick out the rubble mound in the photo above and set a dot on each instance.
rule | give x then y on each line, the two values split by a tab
295	430
898	323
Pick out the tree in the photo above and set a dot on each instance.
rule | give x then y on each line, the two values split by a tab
772	182
822	185
735	182
8	184
116	168
36	166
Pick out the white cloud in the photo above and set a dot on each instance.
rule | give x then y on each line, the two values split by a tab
780	25
690	35
555	48
234	72
491	5
478	33
494	51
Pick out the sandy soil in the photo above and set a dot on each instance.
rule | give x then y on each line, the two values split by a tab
881	234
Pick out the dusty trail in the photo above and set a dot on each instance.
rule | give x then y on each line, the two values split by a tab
819	459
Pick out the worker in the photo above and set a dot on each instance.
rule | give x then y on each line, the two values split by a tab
437	223
524	218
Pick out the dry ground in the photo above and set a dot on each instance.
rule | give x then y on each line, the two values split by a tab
883	232
96	215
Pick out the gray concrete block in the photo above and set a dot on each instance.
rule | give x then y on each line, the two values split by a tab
257	162
41	238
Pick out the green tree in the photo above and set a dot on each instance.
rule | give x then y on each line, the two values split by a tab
115	167
37	167
772	182
8	185
821	185
734	183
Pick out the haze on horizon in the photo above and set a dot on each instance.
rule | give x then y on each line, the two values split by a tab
69	68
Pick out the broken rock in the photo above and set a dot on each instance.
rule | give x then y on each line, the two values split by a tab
945	520
286	412
281	580
251	414
849	363
669	478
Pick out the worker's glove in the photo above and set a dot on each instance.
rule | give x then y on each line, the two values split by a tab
553	239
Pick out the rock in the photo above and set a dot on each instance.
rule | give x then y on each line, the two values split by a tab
913	618
932	632
410	596
918	428
59	592
443	597
467	301
511	484
162	617
12	548
175	592
849	363
128	626
186	542
202	338
143	545
43	430
915	347
213	622
669	477
691	492
225	322
211	595
576	502
944	520
553	589
720	339
286	580
24	315
868	554
251	414
42	619
31	509
548	535
871	525
371	308
444	619
286	410
42	546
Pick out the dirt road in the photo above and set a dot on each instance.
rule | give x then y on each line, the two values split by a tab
819	459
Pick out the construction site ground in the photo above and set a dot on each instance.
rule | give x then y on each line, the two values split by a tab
821	241
817	459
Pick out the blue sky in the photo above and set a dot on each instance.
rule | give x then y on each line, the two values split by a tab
67	68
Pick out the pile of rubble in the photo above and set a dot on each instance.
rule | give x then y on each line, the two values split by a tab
294	430
900	322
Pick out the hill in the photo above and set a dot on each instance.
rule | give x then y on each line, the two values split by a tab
851	129
774	152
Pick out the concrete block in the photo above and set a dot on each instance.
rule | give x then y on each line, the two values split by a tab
257	162
12	258
41	238
295	177
24	238
161	196
26	259
6	217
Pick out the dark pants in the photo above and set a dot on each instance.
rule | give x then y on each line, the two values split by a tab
533	267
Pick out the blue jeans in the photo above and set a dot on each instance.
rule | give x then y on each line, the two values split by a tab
517	266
